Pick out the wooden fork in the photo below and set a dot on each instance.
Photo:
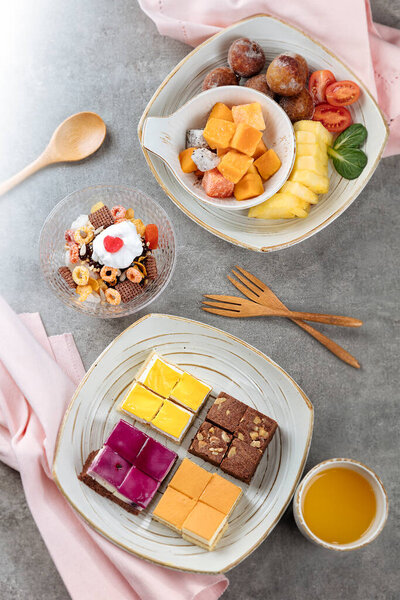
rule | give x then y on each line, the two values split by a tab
234	306
267	297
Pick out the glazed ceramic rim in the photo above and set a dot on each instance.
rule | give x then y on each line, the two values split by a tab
298	510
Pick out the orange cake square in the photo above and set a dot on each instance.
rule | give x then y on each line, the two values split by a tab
190	479
204	526
173	508
221	494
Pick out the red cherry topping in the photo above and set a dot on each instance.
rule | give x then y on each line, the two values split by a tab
112	244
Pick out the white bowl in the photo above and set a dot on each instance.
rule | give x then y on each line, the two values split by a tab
382	505
166	136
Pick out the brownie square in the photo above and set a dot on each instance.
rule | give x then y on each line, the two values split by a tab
210	443
256	429
226	412
241	460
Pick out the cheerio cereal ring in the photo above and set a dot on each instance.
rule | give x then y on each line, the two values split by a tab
134	275
83	291
96	206
118	212
140	227
84	235
73	253
108	274
130	214
80	275
94	284
113	296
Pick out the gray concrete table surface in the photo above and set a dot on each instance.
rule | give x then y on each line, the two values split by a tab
61	57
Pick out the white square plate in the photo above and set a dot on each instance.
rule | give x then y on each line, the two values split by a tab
224	362
185	81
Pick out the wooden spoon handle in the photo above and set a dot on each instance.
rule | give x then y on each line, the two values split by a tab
321	318
34	166
329	344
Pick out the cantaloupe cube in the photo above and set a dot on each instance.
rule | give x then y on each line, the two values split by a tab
245	139
185	158
319	184
315	127
218	133
260	149
280	206
216	186
252	169
300	190
268	163
222	151
234	165
251	114
221	111
248	187
310	163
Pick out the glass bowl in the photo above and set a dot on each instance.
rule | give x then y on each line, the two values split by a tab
52	245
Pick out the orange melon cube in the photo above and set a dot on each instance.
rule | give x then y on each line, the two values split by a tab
251	114
215	184
245	139
252	169
268	164
248	187
222	151
185	158
234	165
218	133
221	111
260	149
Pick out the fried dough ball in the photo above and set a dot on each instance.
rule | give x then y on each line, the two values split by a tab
303	64
219	76
259	83
245	57
298	107
286	75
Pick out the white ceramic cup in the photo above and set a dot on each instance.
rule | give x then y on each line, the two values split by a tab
382	504
166	137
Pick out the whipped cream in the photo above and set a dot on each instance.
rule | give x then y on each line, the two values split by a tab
80	221
132	246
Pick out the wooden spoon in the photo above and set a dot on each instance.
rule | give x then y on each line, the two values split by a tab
76	138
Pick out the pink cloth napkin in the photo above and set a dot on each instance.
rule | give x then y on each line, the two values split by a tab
344	26
38	376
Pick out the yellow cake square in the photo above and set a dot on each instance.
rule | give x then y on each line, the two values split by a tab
172	420
173	508
158	375
204	525
190	479
190	392
221	494
141	403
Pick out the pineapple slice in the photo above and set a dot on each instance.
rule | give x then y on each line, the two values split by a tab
310	163
312	150
280	206
299	190
319	184
308	137
315	127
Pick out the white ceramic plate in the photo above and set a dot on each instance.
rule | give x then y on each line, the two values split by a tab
227	364
185	81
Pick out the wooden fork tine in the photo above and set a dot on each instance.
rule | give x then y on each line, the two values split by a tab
222	298
247	283
224	305
222	313
243	289
252	278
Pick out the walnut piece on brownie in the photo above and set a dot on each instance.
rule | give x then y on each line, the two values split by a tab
256	429
210	443
241	460
226	412
128	290
101	218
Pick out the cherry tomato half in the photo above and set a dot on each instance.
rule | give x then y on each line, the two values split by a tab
319	80
342	93
334	118
151	236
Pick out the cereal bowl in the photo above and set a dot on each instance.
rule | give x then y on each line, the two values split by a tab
52	250
165	137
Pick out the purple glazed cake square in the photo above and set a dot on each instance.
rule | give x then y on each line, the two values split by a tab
108	468
155	459
126	440
138	488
